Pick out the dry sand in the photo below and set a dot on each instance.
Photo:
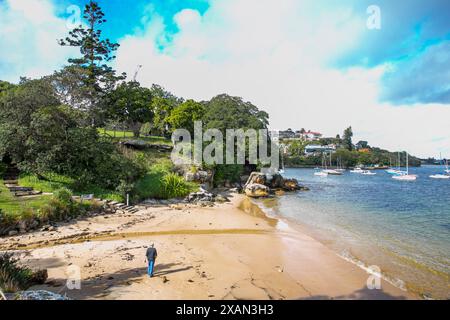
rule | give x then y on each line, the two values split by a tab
230	251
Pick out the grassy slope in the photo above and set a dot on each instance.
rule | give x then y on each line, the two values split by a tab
10	204
56	181
158	165
126	135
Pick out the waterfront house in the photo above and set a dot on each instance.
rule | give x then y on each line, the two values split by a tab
318	149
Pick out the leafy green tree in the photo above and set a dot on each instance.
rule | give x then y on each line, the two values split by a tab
5	86
96	53
347	139
226	112
58	144
184	116
297	147
163	103
347	158
130	103
17	106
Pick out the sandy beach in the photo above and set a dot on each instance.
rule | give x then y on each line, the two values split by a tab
230	251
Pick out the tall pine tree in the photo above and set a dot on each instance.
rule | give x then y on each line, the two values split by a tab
92	68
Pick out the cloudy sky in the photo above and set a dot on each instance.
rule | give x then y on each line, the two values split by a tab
309	63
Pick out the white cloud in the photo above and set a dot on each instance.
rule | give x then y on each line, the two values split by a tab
29	31
275	54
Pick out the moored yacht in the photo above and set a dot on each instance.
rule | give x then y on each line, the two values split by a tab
406	176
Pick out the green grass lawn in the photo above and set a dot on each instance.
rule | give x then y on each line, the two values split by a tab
56	181
12	205
121	135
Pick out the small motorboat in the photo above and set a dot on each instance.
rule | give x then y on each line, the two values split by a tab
357	170
368	173
405	177
321	174
333	172
440	176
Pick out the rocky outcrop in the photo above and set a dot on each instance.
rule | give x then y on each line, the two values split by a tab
256	190
143	145
275	184
256	178
36	295
200	176
205	198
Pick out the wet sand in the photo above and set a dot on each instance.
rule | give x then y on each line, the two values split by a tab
230	251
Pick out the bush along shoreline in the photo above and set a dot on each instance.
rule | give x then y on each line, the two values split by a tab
14	277
60	207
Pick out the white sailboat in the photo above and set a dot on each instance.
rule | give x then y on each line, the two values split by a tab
333	172
397	171
406	176
444	176
340	167
323	172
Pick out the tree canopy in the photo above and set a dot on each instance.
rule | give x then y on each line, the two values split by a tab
130	103
347	139
184	116
227	112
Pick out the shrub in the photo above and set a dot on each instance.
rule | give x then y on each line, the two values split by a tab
64	195
12	276
174	186
7	219
227	172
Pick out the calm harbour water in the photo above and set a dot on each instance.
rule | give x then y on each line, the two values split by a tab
402	227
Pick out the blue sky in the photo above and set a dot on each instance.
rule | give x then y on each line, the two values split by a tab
305	58
124	16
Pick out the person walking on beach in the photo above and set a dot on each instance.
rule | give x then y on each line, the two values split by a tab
151	256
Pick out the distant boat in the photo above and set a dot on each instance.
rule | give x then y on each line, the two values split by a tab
323	172
368	173
339	165
444	176
333	172
406	176
396	172
357	170
440	176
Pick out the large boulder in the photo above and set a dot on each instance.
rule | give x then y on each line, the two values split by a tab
260	185
290	185
199	176
256	190
257	178
276	182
